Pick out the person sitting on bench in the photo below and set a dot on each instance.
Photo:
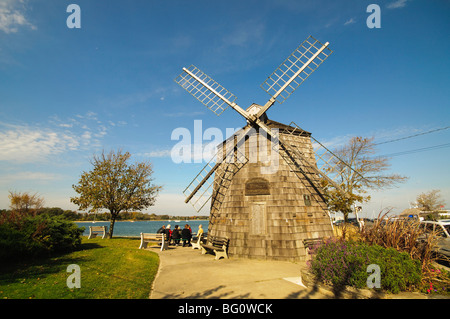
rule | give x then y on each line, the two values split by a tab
176	235
186	235
168	233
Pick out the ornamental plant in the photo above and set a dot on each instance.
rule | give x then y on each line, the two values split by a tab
344	263
37	236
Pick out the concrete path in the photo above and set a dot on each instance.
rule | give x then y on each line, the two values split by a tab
186	273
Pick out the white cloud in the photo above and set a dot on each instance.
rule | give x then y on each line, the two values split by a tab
27	144
86	137
88	116
162	153
396	4
30	176
12	16
65	125
88	128
350	21
195	153
36	143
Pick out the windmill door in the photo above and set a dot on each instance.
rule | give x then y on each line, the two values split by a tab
258	218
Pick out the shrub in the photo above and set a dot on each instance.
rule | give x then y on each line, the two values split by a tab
343	263
403	235
398	271
37	235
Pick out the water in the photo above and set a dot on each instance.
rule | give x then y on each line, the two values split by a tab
138	227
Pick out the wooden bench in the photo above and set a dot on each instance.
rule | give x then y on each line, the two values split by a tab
309	244
198	243
312	242
218	245
97	230
153	238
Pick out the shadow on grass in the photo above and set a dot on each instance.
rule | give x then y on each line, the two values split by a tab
42	266
87	246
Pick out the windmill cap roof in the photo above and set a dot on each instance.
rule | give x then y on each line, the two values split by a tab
277	125
283	127
254	108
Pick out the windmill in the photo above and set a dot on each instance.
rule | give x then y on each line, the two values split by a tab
266	213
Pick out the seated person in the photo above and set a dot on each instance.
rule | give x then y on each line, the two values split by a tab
200	230
186	235
168	233
199	233
162	230
176	235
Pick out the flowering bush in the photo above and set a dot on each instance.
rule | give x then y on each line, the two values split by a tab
343	263
438	283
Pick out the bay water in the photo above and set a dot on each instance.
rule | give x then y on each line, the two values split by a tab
135	228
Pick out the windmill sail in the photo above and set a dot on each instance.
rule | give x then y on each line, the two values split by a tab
296	69
214	96
329	165
215	178
280	85
279	203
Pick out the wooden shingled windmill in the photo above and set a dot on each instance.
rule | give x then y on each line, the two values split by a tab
265	205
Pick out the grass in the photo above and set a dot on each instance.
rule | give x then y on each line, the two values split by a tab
109	269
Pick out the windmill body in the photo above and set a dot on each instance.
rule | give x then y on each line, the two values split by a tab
266	197
267	216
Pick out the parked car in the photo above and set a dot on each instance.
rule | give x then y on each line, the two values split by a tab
351	221
338	222
442	229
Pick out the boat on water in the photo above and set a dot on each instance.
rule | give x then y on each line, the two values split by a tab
177	220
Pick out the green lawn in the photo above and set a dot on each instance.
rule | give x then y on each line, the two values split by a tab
109	268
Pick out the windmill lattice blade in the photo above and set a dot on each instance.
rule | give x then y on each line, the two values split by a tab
199	191
328	162
286	72
301	166
213	179
214	96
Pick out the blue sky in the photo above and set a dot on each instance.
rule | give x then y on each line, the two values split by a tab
66	94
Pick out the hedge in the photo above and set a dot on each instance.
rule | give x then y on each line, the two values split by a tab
34	236
341	263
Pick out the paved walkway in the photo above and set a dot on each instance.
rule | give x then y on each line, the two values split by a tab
186	273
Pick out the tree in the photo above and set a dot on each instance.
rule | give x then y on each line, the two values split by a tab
115	185
25	203
430	201
367	172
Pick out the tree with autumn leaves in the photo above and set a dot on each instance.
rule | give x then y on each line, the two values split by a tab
361	172
116	185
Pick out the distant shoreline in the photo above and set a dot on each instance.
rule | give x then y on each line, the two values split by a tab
130	220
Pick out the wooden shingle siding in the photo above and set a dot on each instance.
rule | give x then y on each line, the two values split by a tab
265	215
